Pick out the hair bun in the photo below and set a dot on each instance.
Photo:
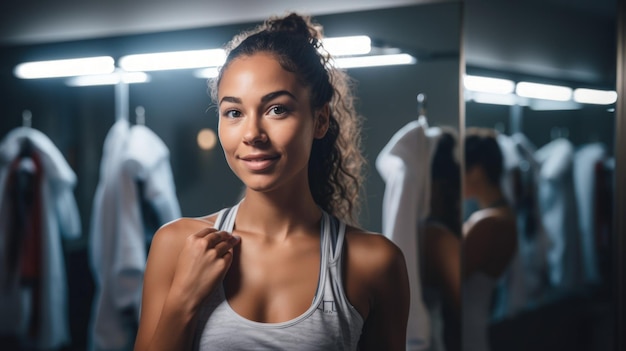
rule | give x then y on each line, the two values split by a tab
297	25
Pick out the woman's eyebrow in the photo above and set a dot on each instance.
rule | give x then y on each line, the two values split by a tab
232	99
275	94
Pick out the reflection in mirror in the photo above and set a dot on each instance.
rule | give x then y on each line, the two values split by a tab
79	119
539	162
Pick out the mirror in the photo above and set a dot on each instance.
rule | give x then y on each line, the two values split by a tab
553	189
176	107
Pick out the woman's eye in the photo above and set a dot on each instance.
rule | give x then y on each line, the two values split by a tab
232	114
277	110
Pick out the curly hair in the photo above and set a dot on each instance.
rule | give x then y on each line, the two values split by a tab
336	163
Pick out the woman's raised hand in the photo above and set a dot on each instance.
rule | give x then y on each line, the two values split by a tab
202	264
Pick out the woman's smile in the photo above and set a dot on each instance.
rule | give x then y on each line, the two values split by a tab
259	162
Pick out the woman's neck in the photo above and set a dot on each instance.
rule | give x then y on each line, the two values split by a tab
277	215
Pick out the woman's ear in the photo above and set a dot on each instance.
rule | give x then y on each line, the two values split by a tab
322	121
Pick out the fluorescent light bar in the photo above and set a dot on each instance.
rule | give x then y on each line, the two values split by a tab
206	73
376	60
65	68
593	96
495	99
488	85
543	91
345	46
553	105
173	60
109	79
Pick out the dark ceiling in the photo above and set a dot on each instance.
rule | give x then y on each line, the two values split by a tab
558	39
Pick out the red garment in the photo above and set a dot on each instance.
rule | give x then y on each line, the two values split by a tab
25	242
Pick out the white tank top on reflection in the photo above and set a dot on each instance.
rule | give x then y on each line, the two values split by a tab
330	323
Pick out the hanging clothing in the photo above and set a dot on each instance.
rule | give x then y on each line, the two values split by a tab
533	242
585	159
37	210
404	165
510	294
525	281
135	163
557	204
330	323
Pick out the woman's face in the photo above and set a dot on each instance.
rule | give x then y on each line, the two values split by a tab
266	124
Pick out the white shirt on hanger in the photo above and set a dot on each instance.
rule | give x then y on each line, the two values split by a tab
404	164
118	240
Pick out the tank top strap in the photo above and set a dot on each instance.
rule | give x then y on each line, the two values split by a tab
226	219
221	216
335	233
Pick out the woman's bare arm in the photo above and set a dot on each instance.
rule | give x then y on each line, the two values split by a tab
377	273
181	271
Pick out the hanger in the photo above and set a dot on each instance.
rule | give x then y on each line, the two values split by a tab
27	118
421	105
140	115
559	132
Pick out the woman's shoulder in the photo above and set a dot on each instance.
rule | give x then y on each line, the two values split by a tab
490	219
179	229
371	252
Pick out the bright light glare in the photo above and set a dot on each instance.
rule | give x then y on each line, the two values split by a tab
65	68
489	85
377	60
206	73
173	60
109	79
495	99
543	91
344	46
593	96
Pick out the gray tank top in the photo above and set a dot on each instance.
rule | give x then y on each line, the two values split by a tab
331	323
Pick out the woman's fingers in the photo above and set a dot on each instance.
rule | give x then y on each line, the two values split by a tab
224	247
211	238
217	237
204	232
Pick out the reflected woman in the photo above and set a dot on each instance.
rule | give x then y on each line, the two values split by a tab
489	235
280	270
440	252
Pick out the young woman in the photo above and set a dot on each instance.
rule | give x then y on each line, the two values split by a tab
280	269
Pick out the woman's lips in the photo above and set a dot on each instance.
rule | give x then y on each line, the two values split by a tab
259	162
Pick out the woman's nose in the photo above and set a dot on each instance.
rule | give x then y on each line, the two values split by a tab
254	132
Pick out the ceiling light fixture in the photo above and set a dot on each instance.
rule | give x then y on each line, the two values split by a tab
543	91
65	68
346	46
593	96
375	60
109	79
206	73
488	85
173	60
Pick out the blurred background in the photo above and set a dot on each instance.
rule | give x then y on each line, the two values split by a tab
571	44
